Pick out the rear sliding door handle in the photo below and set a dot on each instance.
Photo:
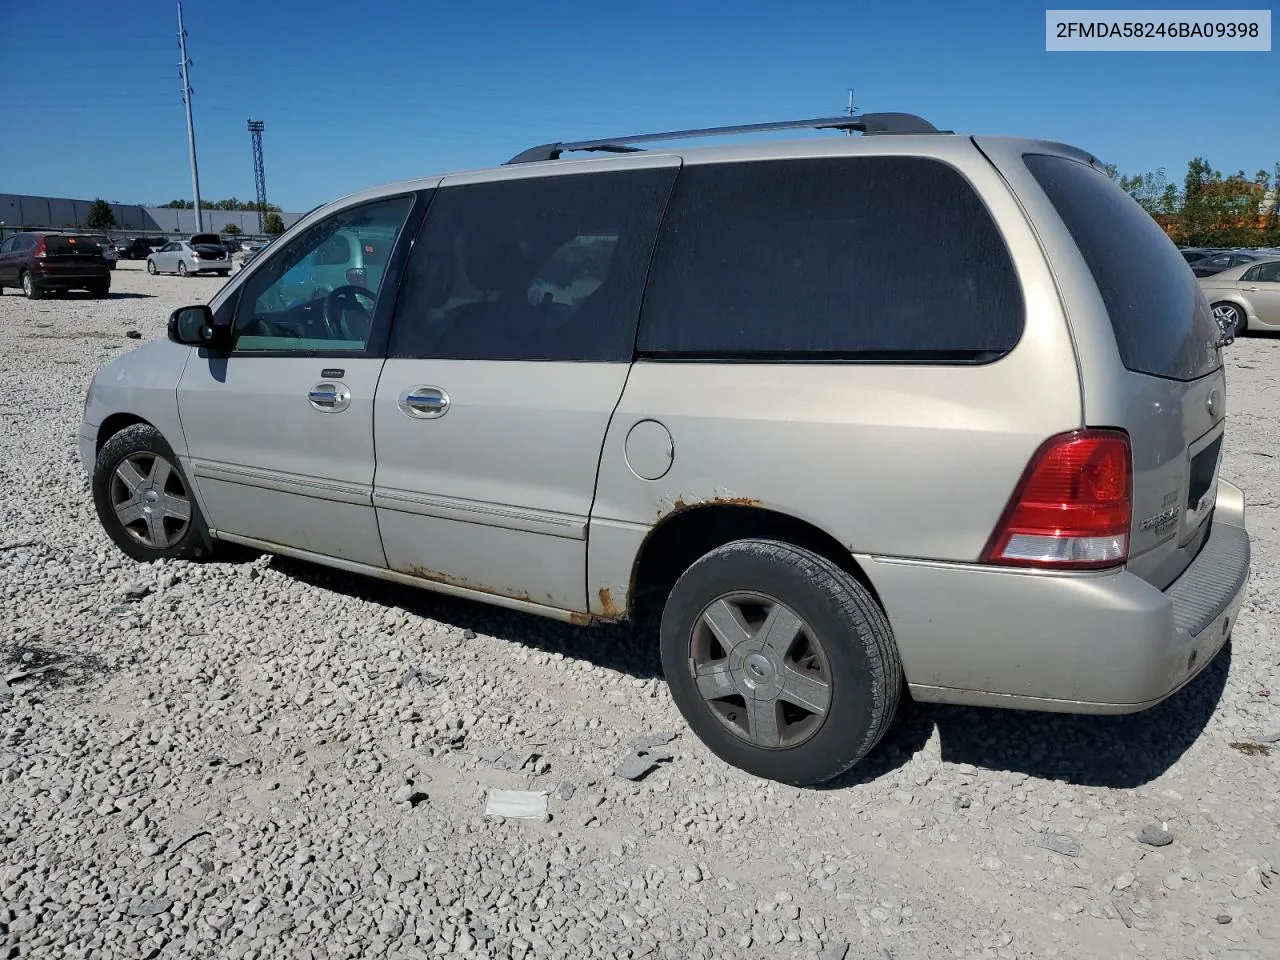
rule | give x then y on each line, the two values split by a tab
329	396
424	402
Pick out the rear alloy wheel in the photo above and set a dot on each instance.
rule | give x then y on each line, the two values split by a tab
1231	317
29	288
151	267
143	499
781	662
182	269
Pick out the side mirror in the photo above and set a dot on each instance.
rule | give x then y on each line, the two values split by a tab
194	327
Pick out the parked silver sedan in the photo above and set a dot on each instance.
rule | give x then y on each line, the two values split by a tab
1246	297
186	258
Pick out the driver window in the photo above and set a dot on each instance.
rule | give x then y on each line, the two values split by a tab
317	292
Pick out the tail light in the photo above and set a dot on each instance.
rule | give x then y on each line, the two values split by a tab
41	251
1072	509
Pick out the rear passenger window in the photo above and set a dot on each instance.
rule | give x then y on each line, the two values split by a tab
849	258
544	268
1161	319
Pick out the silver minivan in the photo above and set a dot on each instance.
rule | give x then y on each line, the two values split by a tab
850	416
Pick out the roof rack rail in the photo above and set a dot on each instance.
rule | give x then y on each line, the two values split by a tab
868	123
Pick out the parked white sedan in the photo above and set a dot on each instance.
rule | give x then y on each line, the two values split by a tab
188	257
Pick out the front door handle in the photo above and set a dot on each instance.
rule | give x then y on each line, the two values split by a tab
424	402
330	396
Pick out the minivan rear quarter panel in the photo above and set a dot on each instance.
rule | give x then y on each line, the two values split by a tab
1165	418
891	459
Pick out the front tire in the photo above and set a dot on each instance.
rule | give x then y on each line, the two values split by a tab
781	662
224	273
101	291
144	500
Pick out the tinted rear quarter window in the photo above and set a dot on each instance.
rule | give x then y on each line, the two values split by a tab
1162	322
853	258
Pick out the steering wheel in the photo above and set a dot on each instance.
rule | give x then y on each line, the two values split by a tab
344	298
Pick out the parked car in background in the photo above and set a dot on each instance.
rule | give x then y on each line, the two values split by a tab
548	386
109	251
44	262
1192	254
1232	258
189	257
249	249
138	248
1245	298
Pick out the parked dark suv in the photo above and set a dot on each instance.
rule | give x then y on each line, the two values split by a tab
37	263
137	248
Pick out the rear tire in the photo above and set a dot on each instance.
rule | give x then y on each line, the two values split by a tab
809	678
1238	318
224	273
101	291
151	267
182	269
144	500
30	288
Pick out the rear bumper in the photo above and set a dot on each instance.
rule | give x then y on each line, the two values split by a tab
71	281
1102	643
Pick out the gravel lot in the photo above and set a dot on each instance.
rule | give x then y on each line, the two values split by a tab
264	759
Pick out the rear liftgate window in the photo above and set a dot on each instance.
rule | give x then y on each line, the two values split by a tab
854	258
1162	322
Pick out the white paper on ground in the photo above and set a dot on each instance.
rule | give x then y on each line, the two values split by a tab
521	804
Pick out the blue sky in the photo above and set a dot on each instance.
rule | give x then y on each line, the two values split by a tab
357	93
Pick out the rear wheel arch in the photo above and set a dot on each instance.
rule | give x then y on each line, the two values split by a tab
686	535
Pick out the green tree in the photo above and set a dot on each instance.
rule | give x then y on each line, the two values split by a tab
274	224
101	216
231	229
178	205
1151	190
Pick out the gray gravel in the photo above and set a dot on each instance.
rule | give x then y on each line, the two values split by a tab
263	759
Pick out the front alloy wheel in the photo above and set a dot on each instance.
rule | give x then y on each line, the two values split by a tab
150	500
144	501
